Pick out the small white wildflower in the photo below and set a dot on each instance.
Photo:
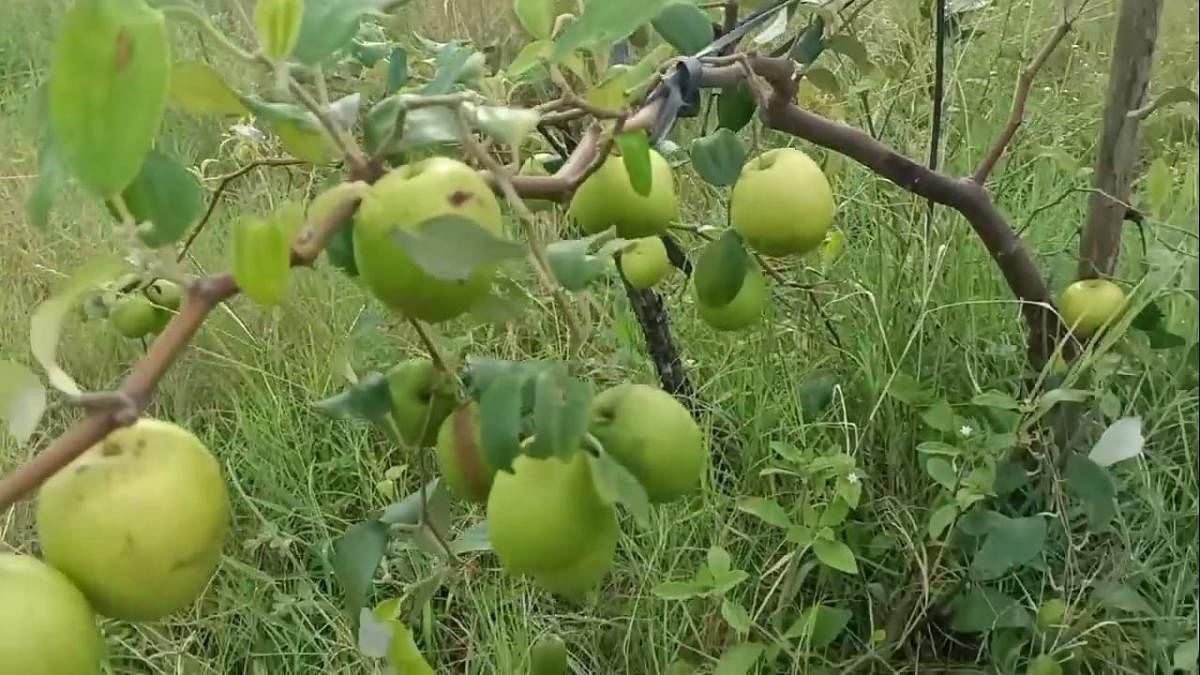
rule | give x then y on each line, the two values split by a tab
965	430
852	478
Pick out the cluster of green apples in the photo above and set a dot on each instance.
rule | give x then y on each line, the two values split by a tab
136	310
132	529
545	518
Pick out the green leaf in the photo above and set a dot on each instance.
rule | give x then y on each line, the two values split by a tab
834	514
736	616
452	247
278	25
823	79
1185	656
605	22
941	519
765	509
1122	440
981	609
1158	184
428	503
1091	484
735	108
942	471
685	27
572	265
718	157
939	415
819	625
816	394
721	269
718	560
328	26
500	419
1163	339
1010	476
996	399
379	126
45	324
536	16
616	485
906	389
1011	542
723	583
679	590
849	46
1123	597
1055	396
810	45
834	554
773	29
198	89
561	413
261	258
739	659
1149	319
368	399
397	72
356	556
108	90
433	125
635	155
1176	95
472	540
164	198
52	177
22	400
508	125
529	57
450	65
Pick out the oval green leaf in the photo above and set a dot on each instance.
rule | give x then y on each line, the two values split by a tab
164	198
278	25
198	89
720	270
635	155
685	27
718	157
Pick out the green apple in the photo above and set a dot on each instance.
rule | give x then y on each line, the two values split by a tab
164	293
1052	614
781	203
654	436
607	198
548	656
1044	665
137	521
46	625
1088	304
134	316
402	200
421	398
745	309
543	514
460	455
580	577
645	263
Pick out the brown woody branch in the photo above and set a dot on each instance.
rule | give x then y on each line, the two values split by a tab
1017	115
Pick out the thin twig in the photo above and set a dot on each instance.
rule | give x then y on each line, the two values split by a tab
1017	114
222	185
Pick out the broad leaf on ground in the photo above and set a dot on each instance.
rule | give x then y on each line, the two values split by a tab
739	659
835	554
1011	542
356	556
1120	441
981	609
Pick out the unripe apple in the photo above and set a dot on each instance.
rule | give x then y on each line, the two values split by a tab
461	461
545	513
745	309
137	522
402	200
421	399
548	656
165	293
781	203
607	199
134	316
576	579
46	625
646	262
1088	304
653	436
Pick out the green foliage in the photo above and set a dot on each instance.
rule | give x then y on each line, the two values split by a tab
635	155
22	400
452	247
684	26
165	198
278	24
721	269
718	157
261	258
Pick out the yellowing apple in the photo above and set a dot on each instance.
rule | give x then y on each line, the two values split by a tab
745	309
460	455
1088	304
652	435
138	521
607	199
545	513
781	203
646	262
46	625
421	398
580	577
402	200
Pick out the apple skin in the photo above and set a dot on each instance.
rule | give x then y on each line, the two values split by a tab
138	521
548	656
134	316
46	625
781	203
575	580
460	455
1088	304
607	198
654	436
403	199
545	513
746	308
165	293
645	263
421	400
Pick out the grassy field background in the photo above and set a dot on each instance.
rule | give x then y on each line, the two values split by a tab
908	296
